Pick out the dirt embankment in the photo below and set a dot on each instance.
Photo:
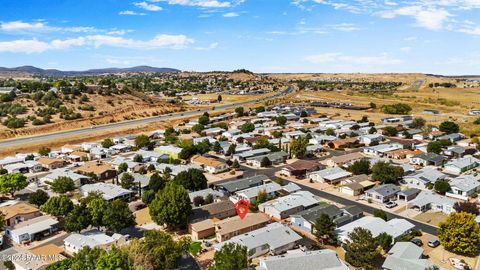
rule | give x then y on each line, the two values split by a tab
108	109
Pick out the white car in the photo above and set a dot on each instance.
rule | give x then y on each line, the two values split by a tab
390	204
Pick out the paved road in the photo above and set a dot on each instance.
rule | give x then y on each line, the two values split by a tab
131	123
270	172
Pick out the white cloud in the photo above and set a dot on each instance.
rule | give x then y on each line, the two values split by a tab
406	49
345	27
131	13
212	46
430	18
21	26
30	27
201	3
96	41
341	59
231	14
147	6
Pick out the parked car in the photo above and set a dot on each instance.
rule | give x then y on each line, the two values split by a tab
390	204
417	242
433	243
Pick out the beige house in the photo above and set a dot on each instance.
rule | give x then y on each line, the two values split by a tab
19	212
210	165
202	229
230	227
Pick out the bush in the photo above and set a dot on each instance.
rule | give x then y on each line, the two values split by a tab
399	108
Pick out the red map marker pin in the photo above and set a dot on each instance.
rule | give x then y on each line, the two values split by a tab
242	208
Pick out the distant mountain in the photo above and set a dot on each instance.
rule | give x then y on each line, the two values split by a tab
55	72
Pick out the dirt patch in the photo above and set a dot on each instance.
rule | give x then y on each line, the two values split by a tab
432	218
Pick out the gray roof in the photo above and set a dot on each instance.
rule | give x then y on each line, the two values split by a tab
91	239
273	156
309	260
465	183
463	162
108	191
299	198
406	255
204	193
430	157
384	190
312	214
427	175
245	183
275	235
142	178
409	191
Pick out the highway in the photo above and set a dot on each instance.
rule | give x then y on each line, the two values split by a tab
131	123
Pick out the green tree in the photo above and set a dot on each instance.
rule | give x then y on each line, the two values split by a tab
329	132
138	158
78	219
219	98
148	196
142	141
449	127
386	173
11	183
204	120
235	164
390	131
385	240
118	216
281	120
115	259
63	185
265	162
97	208
372	130
58	206
38	198
260	109
122	167
157	250
156	182
107	143
247	127
380	214
193	179
434	147
418	122
360	167
171	206
324	230
127	180
86	259
198	128
217	148
442	186
460	233
239	111
230	257
360	248
231	149
298	146
44	151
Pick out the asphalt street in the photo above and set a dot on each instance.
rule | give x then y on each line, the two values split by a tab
270	172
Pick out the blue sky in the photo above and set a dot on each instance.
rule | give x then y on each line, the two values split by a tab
441	37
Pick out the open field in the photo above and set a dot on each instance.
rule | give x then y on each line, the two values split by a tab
451	104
